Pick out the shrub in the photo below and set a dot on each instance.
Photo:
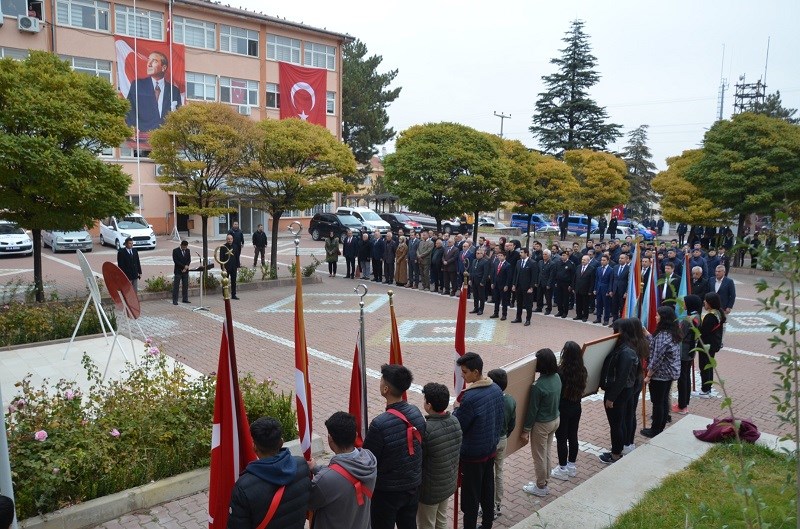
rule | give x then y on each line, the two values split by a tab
268	272
66	447
245	275
22	323
212	282
309	269
158	283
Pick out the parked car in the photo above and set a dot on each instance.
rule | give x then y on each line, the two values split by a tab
368	218
622	232
323	223
114	231
429	223
401	221
578	224
539	222
638	229
14	240
67	240
492	224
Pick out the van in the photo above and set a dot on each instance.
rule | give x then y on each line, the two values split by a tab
578	224
539	221
371	220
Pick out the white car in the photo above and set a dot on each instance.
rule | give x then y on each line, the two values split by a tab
67	240
14	240
114	231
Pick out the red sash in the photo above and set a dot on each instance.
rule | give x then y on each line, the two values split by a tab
273	506
411	430
361	490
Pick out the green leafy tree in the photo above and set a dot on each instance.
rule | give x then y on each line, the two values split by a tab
292	164
199	147
432	162
365	98
601	176
773	107
53	125
641	171
566	118
681	200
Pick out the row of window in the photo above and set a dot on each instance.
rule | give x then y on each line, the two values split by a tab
96	14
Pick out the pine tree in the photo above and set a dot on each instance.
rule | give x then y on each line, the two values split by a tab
773	107
566	118
640	172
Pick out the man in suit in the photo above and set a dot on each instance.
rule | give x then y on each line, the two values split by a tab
602	291
725	288
350	251
479	278
465	255
389	251
724	259
699	286
182	259
424	254
238	242
378	246
544	290
152	97
682	229
501	276
260	245
128	261
526	276
668	292
413	262
564	276
584	283
449	269
228	254
619	286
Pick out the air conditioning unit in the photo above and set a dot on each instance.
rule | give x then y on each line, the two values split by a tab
159	170
244	110
29	24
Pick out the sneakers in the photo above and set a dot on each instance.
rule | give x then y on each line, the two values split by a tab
627	449
607	458
680	411
497	512
702	394
560	473
532	488
572	470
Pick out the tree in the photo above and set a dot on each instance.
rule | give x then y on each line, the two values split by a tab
292	164
601	176
199	147
682	201
773	107
539	183
53	125
432	162
486	186
566	118
365	97
640	173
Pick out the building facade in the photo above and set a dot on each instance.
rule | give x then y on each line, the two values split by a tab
211	52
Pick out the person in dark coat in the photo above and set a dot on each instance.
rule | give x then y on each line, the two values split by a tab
350	251
602	224
526	276
660	226
699	286
182	260
128	262
584	283
725	288
238	243
564	281
228	254
449	267
260	245
668	292
544	289
501	277
612	227
436	266
365	255
479	279
255	490
602	291
682	229
378	247
389	254
619	286
395	437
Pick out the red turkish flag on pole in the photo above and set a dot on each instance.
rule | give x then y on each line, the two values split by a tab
231	444
395	355
302	384
357	406
303	93
461	348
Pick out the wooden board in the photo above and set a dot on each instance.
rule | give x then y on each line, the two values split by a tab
521	374
594	353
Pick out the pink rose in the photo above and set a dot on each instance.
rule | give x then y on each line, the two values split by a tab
12	408
41	435
153	351
20	403
56	470
148	341
114	433
69	394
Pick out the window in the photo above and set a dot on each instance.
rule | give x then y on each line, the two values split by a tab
87	14
195	33
14	53
136	200
238	91
319	55
107	152
126	151
201	86
238	40
283	49
273	96
94	67
330	102
139	23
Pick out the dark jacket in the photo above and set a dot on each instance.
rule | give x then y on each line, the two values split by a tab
619	281
253	492
700	287
365	249
479	271
509	415
386	438
441	446
584	283
502	279
449	260
727	292
523	276
260	239
333	497
672	291
436	256
181	259
129	264
378	248
565	272
547	273
619	371
389	250
350	249
481	416
238	239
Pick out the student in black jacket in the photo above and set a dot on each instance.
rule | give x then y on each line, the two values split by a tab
260	245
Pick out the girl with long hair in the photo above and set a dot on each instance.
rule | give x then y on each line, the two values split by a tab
632	332
693	304
663	366
711	337
573	376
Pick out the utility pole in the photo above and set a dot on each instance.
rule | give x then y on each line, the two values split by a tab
723	85
502	117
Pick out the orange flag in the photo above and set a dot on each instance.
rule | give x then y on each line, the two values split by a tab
395	355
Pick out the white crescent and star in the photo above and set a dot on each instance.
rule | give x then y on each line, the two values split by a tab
301	86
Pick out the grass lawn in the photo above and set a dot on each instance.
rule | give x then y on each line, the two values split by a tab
702	496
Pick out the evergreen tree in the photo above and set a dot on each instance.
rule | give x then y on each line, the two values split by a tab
640	173
566	118
773	107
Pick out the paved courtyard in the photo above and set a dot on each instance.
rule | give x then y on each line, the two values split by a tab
264	346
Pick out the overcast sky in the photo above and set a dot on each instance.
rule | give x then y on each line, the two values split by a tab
660	62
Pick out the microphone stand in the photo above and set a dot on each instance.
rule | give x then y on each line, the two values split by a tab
203	272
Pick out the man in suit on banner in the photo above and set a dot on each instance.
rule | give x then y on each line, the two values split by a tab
152	97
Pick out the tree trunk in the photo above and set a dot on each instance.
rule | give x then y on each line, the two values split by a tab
37	265
273	251
738	258
475	229
438	224
588	227
204	235
528	234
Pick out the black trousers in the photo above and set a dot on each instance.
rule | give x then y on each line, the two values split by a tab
259	250
631	414
478	296
544	298
567	432
659	396
685	383
390	508
582	305
616	416
232	276
562	296
477	487
617	302
524	300
436	277
183	279
388	271
351	266
377	269
332	267
449	282
706	375
501	300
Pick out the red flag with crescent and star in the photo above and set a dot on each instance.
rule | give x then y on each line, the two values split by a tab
302	382
303	93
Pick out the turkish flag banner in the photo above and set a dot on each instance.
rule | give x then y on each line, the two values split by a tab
460	346
357	405
303	93
395	354
302	382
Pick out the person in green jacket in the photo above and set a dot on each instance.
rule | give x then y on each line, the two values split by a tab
500	377
542	419
332	253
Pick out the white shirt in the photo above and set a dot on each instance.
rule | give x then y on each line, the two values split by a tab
717	284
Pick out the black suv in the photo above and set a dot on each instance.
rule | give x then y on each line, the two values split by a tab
323	223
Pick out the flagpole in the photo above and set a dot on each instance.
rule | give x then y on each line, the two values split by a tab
362	352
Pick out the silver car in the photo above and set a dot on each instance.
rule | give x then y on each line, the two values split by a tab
60	241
